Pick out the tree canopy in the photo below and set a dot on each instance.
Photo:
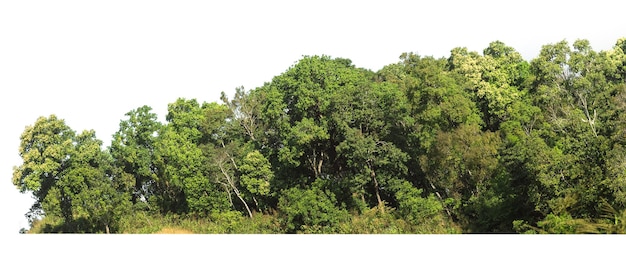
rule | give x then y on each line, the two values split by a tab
471	143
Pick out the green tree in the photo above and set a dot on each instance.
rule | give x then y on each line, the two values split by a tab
495	80
256	175
246	108
97	202
462	164
70	177
183	183
132	149
45	148
309	211
298	112
571	88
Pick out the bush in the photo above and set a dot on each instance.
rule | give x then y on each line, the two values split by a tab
309	211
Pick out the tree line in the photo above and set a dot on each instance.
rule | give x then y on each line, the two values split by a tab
471	143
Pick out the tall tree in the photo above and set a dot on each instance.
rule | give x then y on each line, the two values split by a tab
256	176
96	200
70	177
45	148
299	115
494	80
183	183
133	151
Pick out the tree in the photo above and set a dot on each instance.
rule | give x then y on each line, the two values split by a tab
97	201
183	183
299	113
256	175
474	142
309	211
571	88
424	213
70	177
495	80
462	164
45	148
245	108
132	149
437	101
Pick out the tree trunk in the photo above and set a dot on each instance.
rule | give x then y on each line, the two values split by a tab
377	189
256	203
230	181
232	185
440	198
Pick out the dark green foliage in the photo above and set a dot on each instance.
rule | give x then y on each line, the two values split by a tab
132	149
472	143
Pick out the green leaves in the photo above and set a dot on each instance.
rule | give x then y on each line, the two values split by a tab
309	211
69	176
476	142
183	183
132	149
495	80
463	161
45	148
413	207
256	173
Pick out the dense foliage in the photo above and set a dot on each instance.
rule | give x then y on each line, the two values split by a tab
472	143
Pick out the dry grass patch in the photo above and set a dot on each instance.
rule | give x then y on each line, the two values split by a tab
169	230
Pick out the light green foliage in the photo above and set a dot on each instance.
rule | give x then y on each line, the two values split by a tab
227	222
373	221
256	173
309	211
426	213
565	224
467	65
69	176
200	124
96	200
46	148
182	166
495	80
470	143
186	118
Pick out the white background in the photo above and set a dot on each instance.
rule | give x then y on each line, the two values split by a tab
90	62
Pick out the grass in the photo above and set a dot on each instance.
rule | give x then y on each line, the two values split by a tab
174	230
